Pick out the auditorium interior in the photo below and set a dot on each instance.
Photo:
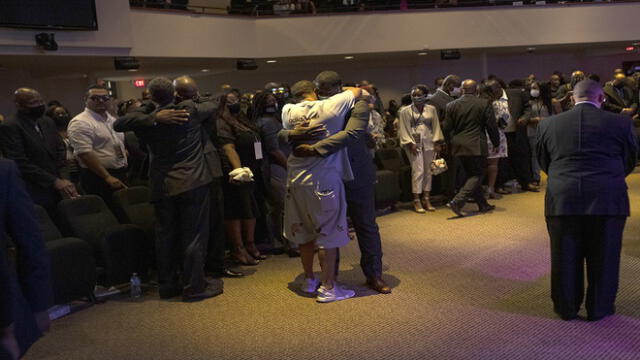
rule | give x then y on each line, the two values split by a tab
462	287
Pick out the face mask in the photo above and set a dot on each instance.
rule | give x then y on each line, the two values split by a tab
270	109
34	112
419	100
234	108
455	92
535	93
62	121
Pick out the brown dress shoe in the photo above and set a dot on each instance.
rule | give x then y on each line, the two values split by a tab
378	285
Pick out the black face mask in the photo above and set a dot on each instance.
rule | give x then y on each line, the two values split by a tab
34	112
62	121
234	108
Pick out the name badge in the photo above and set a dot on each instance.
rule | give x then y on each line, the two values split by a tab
257	148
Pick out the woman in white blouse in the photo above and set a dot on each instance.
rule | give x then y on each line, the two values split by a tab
419	133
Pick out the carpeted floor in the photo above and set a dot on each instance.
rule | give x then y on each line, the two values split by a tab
470	288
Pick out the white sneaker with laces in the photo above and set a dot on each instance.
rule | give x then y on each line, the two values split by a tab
310	285
335	294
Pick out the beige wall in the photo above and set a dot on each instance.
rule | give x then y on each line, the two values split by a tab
175	34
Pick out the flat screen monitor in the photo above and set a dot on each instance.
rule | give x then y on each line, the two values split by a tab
49	14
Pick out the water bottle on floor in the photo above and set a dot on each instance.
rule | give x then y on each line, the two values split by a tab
136	286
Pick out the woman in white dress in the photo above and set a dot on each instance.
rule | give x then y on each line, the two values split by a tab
420	136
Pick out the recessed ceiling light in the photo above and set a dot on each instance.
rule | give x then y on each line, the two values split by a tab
133	70
348	57
272	61
205	70
422	53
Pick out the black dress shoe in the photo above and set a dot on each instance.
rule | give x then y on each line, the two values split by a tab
227	273
293	253
487	208
600	316
568	317
455	207
379	285
210	291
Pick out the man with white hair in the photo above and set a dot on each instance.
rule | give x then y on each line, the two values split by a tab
587	153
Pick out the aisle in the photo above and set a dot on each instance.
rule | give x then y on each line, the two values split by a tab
471	288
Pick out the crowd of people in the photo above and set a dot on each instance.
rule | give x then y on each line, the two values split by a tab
291	169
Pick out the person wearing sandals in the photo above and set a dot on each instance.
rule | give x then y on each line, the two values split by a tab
495	154
420	136
242	148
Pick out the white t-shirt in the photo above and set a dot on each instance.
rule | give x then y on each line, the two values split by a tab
331	113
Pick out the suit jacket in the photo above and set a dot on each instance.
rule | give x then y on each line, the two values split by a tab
439	100
587	153
468	120
353	137
27	290
177	162
207	111
615	103
39	157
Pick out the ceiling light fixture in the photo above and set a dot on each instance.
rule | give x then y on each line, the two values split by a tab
133	70
348	57
422	53
272	61
205	70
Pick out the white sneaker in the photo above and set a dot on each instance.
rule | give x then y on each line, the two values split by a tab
337	293
310	285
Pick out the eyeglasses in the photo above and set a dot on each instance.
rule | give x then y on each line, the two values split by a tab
99	98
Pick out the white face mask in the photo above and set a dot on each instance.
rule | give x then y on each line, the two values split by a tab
535	93
455	92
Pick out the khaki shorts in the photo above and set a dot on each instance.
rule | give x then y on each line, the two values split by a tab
317	211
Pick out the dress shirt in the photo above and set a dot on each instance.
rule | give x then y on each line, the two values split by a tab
90	131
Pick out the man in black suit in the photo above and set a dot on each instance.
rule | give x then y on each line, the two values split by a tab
446	93
187	89
619	97
32	141
587	153
468	121
25	293
179	179
516	115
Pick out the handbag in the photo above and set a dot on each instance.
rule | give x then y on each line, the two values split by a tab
438	166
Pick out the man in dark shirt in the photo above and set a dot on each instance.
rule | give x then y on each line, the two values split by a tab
179	178
619	97
32	141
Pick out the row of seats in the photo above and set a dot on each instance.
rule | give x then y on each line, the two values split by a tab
105	248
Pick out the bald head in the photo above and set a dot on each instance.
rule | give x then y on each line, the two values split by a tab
588	90
186	87
27	98
469	87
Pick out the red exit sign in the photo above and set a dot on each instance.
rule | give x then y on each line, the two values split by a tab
139	83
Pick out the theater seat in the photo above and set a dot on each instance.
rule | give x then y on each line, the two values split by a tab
386	189
390	159
73	267
133	206
118	248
